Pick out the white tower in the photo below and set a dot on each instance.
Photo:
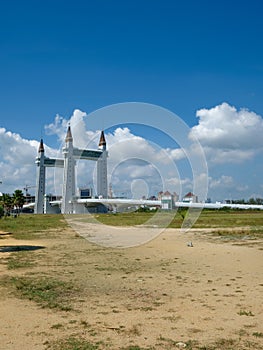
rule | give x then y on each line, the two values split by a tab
40	180
69	190
102	183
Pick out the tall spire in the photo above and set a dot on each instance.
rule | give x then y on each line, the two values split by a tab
41	147
40	180
69	135
102	184
102	142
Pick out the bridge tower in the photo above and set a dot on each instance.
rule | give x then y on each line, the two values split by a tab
102	182
69	186
40	180
68	203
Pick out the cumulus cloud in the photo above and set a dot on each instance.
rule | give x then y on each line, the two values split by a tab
82	136
16	160
228	134
132	157
122	144
221	182
135	171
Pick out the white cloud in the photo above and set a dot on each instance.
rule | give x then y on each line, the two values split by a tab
17	161
17	157
122	144
222	182
176	154
82	137
223	156
228	135
57	128
142	160
131	157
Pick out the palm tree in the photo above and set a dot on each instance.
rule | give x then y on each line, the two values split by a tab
18	200
1	210
7	203
1	205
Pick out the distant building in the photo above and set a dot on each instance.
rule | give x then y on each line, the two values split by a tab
190	198
167	200
160	195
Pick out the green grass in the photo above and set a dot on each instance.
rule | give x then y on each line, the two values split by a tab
26	226
250	222
47	292
79	343
122	219
245	313
136	347
223	344
207	219
231	218
20	260
73	343
258	334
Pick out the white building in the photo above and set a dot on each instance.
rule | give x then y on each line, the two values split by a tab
190	198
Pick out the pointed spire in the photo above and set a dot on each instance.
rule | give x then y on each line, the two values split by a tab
41	147
102	142
69	135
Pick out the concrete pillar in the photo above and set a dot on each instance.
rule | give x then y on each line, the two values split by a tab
102	181
69	186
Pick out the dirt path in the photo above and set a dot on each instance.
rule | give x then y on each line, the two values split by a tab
155	295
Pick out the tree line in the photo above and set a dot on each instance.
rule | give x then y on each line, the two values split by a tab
258	201
11	203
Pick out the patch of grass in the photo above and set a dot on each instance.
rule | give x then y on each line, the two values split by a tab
226	343
134	331
168	340
231	218
168	343
258	334
147	308
122	219
57	326
47	292
245	313
252	219
172	318
84	323
248	233
20	260
73	343
25	226
136	347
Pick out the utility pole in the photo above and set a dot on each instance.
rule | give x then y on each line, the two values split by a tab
26	188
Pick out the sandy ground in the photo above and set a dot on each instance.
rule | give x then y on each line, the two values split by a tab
162	294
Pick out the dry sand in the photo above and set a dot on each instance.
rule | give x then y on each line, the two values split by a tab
162	294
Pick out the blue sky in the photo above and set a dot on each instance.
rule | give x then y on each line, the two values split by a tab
186	56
